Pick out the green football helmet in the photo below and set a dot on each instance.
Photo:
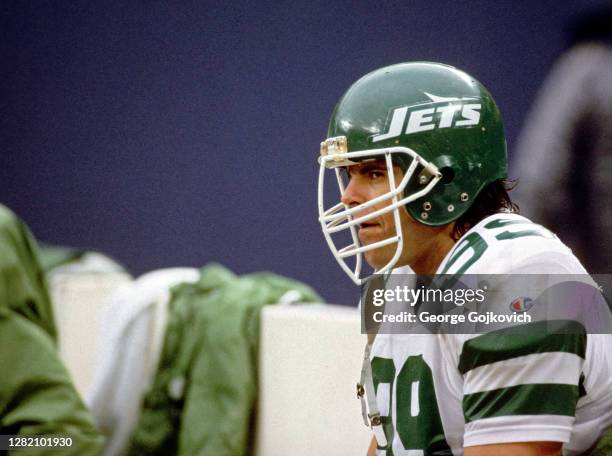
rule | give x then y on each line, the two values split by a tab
437	123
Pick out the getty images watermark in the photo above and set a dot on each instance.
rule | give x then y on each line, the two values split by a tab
396	304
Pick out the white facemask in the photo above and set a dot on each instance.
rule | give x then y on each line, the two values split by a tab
340	217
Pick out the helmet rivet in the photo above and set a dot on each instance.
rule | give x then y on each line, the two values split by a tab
464	197
450	208
424	215
422	180
427	206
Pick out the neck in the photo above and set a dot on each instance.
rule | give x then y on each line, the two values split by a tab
430	264
438	247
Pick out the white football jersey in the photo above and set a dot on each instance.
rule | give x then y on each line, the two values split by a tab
439	393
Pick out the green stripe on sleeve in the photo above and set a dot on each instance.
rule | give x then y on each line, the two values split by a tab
541	337
533	399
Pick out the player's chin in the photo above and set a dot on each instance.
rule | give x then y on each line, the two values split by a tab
377	258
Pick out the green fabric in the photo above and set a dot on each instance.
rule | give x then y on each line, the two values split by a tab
529	399
73	260
604	447
22	283
36	393
52	256
203	396
539	337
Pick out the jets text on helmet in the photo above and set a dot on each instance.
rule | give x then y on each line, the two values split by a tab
441	112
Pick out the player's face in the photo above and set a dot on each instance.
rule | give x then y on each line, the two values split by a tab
424	246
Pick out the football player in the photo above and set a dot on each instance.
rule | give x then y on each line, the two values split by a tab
419	154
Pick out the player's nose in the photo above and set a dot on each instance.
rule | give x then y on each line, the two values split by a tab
353	194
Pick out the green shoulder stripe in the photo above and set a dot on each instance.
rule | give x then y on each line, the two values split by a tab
473	241
540	337
531	399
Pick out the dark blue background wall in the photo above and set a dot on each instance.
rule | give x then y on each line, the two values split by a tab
176	133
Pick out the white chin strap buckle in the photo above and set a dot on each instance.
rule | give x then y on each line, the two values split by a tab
367	395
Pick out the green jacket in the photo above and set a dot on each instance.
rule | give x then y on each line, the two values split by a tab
53	256
36	393
37	396
203	397
22	283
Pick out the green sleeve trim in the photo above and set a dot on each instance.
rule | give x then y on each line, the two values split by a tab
541	337
533	399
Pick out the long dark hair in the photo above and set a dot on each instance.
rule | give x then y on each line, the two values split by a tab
492	199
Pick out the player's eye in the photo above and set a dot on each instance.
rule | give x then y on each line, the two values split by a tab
376	174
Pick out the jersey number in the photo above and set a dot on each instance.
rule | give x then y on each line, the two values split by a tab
476	245
417	417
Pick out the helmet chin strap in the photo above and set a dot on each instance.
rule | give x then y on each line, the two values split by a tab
367	395
365	388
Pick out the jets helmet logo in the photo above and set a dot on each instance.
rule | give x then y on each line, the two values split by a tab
440	112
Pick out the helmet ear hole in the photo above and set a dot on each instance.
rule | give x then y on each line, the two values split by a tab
448	174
